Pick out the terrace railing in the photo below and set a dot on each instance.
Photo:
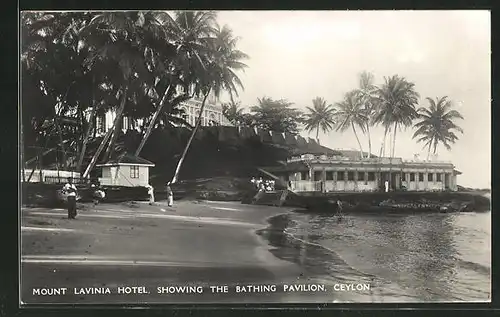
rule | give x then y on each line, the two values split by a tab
379	160
63	180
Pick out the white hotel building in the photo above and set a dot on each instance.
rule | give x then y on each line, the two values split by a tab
212	115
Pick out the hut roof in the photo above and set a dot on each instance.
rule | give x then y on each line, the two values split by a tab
127	159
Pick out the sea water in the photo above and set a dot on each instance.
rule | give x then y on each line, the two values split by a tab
405	257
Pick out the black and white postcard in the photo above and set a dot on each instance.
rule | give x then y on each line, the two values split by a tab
172	157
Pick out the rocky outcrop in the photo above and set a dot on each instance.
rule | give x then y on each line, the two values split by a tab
400	202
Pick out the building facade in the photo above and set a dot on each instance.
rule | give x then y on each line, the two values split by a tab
313	173
126	170
212	115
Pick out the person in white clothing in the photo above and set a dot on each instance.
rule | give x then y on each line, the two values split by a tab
70	191
151	193
170	195
386	185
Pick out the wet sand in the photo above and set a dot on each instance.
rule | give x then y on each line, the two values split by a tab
193	244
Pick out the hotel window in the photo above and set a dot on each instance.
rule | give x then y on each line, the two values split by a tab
184	114
303	175
420	177
329	176
125	123
371	176
429	177
134	171
438	177
318	176
350	176
412	177
101	124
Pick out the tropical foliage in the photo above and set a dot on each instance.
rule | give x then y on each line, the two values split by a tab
350	114
437	125
276	115
320	116
369	98
397	99
143	64
233	112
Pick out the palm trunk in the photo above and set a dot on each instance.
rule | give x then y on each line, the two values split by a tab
429	151
114	137
59	131
86	138
369	140
193	133
94	123
40	166
153	120
317	134
394	140
359	143
382	146
61	141
106	137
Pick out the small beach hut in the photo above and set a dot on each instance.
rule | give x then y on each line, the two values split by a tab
126	170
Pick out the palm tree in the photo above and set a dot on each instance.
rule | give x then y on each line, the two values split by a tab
368	93
115	39
233	112
350	113
187	34
437	124
221	62
51	57
319	116
396	105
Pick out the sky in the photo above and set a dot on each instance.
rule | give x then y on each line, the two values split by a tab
300	55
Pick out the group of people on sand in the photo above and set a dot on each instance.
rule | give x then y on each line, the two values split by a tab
263	185
70	192
168	189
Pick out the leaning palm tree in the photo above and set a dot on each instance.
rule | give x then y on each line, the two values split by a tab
180	58
350	113
396	106
319	116
368	94
114	38
221	62
437	124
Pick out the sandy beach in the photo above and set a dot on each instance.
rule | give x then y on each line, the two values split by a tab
199	244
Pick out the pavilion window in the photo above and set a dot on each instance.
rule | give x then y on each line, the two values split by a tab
371	176
412	177
350	176
438	177
329	176
318	176
420	177
303	175
429	177
134	171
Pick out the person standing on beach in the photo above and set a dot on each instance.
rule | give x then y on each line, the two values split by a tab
70	191
339	210
170	195
151	193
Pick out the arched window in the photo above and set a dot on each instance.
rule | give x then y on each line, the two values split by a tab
213	120
184	113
